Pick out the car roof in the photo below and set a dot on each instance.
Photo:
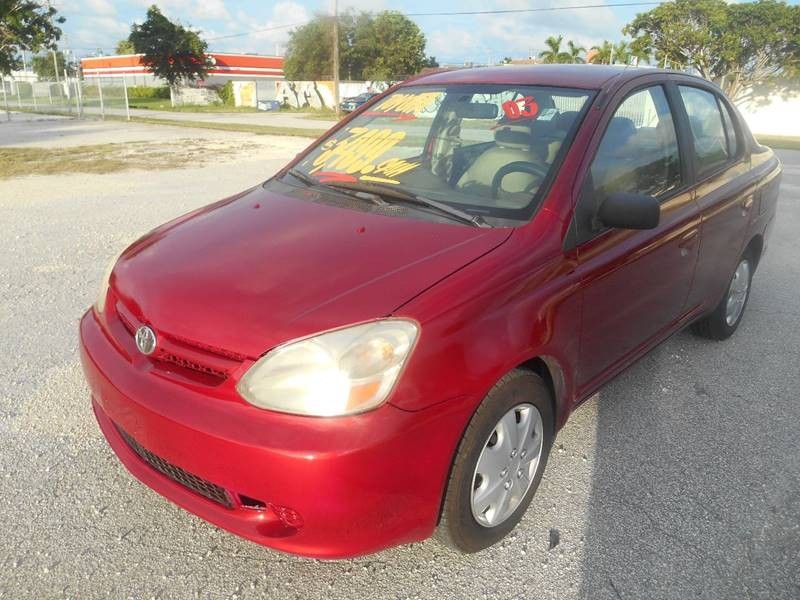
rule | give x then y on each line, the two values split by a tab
592	77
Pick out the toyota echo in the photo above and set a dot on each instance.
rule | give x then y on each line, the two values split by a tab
382	340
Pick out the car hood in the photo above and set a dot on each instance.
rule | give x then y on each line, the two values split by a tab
262	268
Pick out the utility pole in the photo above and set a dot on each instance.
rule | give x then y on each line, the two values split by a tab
55	64
55	58
336	57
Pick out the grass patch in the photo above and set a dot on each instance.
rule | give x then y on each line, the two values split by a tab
309	112
323	116
109	158
780	141
162	104
242	127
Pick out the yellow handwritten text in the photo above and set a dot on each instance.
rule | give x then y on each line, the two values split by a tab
408	103
359	154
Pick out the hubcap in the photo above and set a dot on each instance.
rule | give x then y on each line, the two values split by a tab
737	293
507	465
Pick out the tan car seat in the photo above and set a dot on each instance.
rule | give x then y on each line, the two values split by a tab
513	143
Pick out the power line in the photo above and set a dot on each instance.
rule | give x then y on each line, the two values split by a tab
246	33
458	13
454	14
528	10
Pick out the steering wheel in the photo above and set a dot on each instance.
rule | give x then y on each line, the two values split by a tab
518	166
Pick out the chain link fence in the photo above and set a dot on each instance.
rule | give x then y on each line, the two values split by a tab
100	96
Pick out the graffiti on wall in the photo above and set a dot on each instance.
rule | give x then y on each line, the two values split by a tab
319	94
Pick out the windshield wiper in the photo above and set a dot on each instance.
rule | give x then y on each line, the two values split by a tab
374	192
390	192
310	181
307	179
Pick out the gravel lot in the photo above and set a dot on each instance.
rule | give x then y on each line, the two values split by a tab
681	479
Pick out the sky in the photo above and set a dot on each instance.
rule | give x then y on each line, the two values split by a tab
94	25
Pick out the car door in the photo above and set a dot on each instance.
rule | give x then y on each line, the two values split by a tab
634	282
725	190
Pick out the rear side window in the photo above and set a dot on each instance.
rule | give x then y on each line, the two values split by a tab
705	120
639	150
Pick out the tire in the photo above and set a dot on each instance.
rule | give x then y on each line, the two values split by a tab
518	397
721	323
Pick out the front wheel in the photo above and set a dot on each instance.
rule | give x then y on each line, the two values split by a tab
721	323
499	463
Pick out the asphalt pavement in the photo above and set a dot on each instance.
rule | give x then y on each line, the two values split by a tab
681	478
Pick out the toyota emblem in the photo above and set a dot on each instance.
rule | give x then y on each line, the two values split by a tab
145	340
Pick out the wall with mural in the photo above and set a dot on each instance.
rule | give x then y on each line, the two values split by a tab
319	94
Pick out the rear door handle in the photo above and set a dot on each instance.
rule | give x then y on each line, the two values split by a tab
687	241
747	204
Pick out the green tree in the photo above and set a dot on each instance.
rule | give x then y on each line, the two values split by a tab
575	52
172	52
555	54
750	49
45	67
385	46
602	54
26	25
125	47
620	53
308	53
391	47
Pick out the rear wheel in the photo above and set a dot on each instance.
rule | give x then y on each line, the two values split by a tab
721	323
499	463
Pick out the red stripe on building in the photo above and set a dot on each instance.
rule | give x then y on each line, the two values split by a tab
232	65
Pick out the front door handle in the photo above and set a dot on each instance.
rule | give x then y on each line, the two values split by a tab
747	204
687	241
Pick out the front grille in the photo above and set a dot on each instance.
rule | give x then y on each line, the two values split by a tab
197	484
191	365
202	363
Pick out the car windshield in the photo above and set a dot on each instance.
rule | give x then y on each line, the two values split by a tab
487	150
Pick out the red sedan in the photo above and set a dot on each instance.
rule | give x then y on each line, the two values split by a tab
383	340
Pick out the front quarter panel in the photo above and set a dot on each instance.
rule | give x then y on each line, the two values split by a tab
512	305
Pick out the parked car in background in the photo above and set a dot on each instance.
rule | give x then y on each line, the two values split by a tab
355	102
268	105
383	340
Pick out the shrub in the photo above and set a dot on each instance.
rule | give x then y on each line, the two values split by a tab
226	94
139	92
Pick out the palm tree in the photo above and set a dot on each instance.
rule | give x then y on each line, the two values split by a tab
575	53
602	54
553	52
640	54
622	53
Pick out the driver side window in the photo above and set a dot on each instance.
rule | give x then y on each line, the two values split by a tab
638	154
639	151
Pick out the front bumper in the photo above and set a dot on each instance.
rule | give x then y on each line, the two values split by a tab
358	484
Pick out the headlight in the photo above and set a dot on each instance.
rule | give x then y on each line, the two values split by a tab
100	304
341	372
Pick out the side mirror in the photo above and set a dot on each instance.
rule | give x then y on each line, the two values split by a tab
622	210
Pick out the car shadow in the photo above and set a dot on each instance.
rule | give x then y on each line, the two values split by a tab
695	478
